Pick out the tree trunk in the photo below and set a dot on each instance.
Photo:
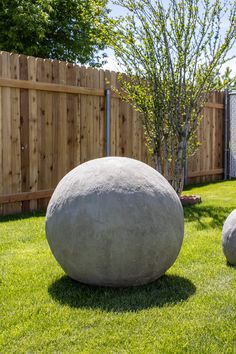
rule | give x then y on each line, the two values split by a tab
178	181
178	176
157	161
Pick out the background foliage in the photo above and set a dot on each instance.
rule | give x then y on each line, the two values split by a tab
68	30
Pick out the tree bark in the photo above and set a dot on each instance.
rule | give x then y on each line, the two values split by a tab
175	176
157	161
178	176
178	181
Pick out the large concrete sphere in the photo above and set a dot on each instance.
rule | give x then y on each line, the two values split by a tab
229	238
114	221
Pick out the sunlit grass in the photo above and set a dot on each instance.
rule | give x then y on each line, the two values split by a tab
189	310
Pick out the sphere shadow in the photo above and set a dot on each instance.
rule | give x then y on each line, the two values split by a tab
230	265
168	290
199	213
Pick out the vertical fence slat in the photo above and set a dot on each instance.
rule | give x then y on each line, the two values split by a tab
33	133
24	130
89	117
41	129
113	140
77	121
101	123
48	139
71	80
62	126
96	112
83	117
55	125
6	131
15	132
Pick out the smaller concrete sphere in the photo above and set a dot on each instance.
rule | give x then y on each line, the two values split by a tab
229	238
115	221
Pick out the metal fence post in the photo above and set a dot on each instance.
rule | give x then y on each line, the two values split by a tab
231	131
226	136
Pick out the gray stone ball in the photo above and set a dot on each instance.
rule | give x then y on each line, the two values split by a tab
114	221
229	238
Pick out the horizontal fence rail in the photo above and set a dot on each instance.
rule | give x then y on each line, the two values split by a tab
23	84
52	118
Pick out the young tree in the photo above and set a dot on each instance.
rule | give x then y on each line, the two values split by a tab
171	52
69	30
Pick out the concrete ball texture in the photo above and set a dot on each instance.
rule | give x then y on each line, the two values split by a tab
229	238
115	221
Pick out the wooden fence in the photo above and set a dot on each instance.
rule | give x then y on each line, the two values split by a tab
207	164
52	118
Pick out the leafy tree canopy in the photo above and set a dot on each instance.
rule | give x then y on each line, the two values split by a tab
71	30
226	80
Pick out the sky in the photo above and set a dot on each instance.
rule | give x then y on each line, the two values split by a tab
112	63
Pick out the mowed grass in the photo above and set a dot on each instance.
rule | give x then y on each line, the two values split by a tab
192	309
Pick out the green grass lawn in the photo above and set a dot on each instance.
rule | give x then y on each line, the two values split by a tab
192	309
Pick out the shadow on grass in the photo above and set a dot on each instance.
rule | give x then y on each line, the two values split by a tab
205	184
169	289
207	216
21	216
230	265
